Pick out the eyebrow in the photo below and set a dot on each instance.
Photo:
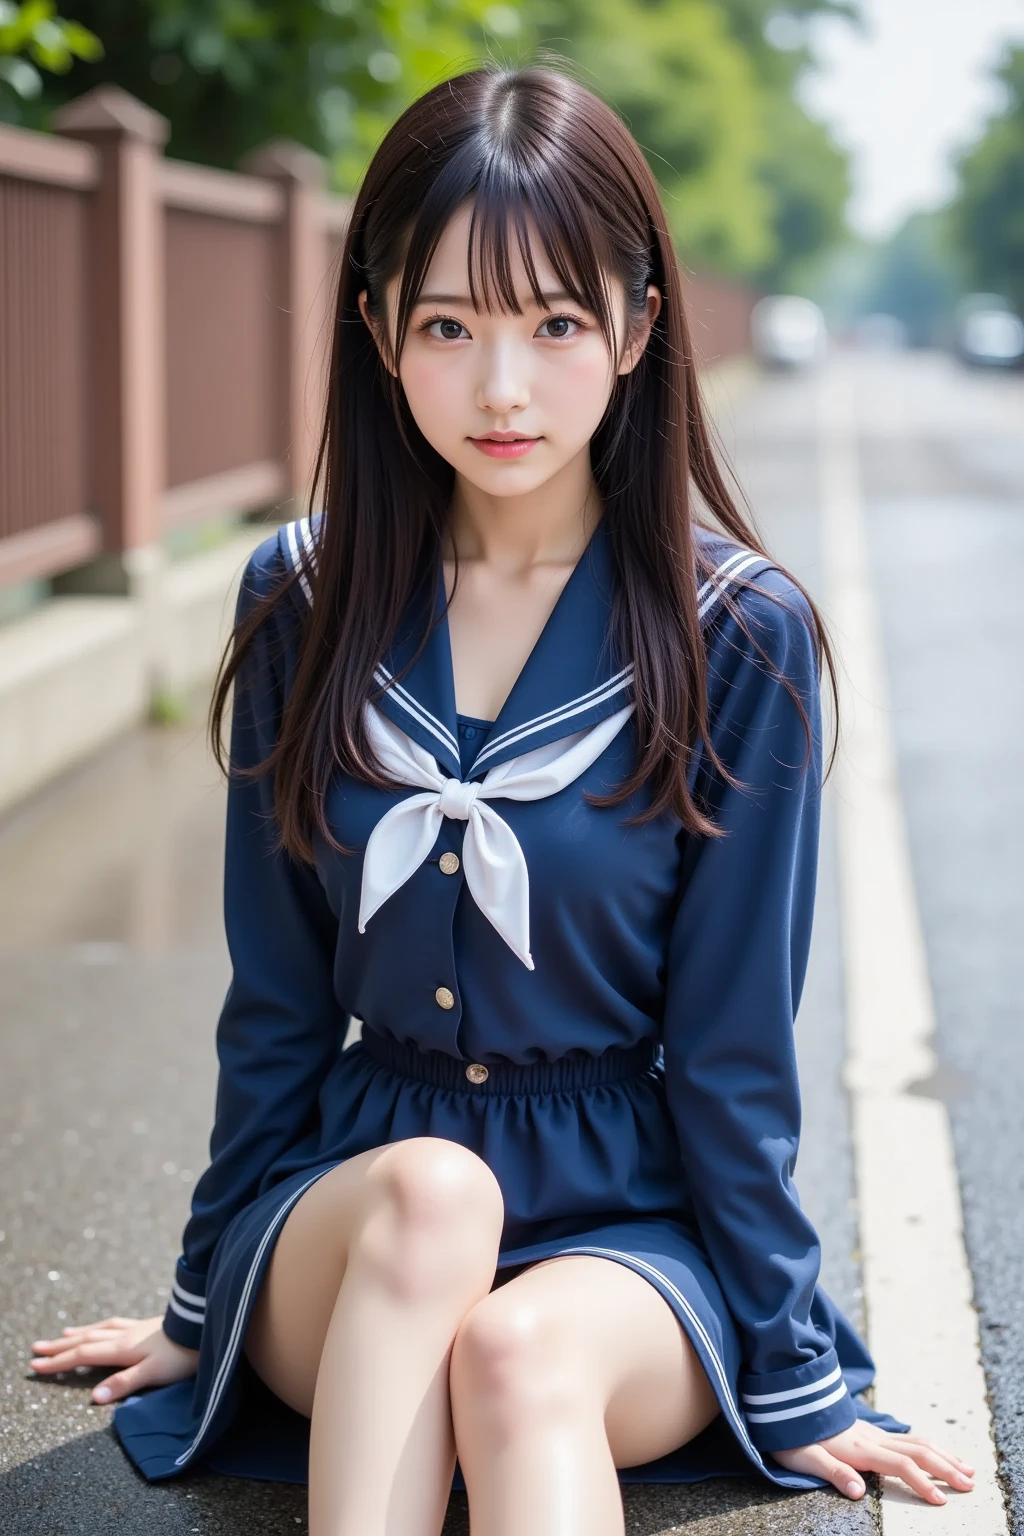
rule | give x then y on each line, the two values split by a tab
464	298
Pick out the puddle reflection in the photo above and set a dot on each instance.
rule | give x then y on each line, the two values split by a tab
125	852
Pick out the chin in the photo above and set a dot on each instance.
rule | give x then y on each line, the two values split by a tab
506	478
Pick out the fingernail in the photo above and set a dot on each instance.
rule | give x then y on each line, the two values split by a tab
855	1489
40	1343
968	1470
938	1496
102	1394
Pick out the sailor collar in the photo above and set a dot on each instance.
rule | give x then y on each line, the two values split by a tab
571	680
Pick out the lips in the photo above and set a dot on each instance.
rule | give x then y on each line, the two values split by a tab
509	447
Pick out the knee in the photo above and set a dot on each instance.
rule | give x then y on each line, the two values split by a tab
435	1212
513	1368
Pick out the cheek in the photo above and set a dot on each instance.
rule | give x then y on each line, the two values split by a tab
436	390
574	389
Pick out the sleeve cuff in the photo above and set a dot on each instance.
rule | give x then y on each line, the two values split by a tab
797	1407
186	1310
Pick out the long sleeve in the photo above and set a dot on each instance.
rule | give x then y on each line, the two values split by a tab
736	962
280	1024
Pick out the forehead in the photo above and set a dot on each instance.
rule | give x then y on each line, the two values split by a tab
448	269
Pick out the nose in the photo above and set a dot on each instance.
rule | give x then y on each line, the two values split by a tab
504	383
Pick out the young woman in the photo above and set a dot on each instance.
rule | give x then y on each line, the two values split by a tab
525	774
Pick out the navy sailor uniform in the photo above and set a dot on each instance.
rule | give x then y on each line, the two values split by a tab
603	1012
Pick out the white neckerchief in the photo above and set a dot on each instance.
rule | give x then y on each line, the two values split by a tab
495	867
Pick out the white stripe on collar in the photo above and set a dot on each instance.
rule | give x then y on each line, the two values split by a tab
720	580
303	529
709	595
598	695
418	711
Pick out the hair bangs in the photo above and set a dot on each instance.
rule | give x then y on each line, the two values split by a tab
506	192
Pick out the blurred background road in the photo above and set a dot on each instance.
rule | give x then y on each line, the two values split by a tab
843	183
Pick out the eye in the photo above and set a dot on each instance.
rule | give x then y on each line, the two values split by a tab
563	320
443	320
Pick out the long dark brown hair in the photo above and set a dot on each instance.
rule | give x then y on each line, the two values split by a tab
513	140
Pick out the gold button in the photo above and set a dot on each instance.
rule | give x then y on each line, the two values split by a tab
477	1072
448	863
444	997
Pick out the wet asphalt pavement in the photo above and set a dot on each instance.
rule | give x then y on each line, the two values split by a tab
112	970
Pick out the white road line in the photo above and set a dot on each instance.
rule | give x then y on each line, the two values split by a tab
922	1327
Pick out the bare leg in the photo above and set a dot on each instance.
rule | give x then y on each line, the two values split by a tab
571	1370
372	1273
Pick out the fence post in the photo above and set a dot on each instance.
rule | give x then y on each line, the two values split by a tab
301	301
125	422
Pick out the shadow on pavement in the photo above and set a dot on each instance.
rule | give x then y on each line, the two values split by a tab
87	1485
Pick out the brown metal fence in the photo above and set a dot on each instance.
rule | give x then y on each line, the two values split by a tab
44	506
163	333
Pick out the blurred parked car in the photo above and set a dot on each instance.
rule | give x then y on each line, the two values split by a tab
787	332
987	333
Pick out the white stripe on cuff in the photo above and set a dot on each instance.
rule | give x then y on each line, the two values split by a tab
785	1397
186	1312
798	1413
190	1298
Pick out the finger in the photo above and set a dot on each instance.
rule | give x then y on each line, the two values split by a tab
71	1335
929	1445
840	1474
81	1336
101	1352
104	1322
123	1384
890	1464
939	1466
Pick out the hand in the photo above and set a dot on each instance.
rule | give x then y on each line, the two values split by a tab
147	1357
866	1448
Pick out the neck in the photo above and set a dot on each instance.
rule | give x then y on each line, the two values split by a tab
549	525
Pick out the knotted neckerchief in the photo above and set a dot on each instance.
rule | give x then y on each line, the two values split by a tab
495	866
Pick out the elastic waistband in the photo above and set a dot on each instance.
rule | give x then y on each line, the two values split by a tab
576	1070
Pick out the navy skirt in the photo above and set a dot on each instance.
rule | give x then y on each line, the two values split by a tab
587	1159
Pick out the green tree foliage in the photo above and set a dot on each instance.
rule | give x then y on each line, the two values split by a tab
34	40
988	214
751	183
688	91
230	74
804	170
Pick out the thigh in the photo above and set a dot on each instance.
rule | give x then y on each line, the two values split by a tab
625	1342
285	1335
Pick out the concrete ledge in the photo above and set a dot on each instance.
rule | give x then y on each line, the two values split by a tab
72	675
80	670
199	609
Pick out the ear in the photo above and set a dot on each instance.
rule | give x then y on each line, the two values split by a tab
642	331
373	327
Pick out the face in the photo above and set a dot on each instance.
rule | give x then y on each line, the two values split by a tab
542	378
